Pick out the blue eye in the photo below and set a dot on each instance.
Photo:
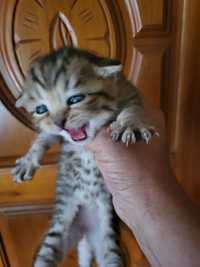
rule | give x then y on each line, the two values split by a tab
41	109
75	99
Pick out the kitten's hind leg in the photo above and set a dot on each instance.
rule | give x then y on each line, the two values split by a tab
57	240
105	238
84	253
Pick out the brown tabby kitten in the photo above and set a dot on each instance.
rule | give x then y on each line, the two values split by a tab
71	95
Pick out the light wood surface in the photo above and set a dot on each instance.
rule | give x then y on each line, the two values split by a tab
186	141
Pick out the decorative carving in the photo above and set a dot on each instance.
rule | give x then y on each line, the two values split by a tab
73	4
151	19
86	15
40	3
62	32
150	63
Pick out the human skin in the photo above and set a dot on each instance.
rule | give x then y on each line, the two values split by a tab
147	197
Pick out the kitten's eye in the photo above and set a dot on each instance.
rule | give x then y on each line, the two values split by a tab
75	99
41	109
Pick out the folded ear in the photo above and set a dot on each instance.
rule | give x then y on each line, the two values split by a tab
21	101
108	71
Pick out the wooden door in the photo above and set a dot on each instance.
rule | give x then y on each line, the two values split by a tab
146	36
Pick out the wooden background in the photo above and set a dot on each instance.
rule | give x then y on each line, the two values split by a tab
158	43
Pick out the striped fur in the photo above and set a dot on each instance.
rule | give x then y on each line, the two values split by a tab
83	209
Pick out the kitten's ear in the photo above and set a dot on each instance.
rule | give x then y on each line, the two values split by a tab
108	71
21	101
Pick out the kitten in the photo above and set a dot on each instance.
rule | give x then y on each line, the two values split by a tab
71	95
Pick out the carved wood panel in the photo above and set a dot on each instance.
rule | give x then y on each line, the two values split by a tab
134	31
185	111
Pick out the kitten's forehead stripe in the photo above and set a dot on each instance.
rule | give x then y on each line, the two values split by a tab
67	53
36	93
69	61
66	83
59	71
100	61
35	78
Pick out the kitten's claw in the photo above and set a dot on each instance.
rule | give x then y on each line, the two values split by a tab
130	135
146	134
24	169
115	136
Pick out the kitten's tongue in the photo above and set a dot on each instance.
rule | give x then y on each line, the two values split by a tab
78	134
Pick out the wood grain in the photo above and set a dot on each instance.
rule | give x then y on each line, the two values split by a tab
158	44
186	141
9	255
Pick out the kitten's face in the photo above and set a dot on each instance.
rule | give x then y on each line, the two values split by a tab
73	99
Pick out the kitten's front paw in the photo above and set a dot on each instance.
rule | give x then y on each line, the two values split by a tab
131	134
25	168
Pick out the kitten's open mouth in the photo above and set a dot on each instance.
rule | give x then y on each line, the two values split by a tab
78	134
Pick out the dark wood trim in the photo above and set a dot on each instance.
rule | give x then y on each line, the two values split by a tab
3	254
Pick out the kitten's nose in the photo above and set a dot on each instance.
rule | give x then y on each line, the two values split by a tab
60	118
60	123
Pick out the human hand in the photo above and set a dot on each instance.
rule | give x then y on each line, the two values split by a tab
128	171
